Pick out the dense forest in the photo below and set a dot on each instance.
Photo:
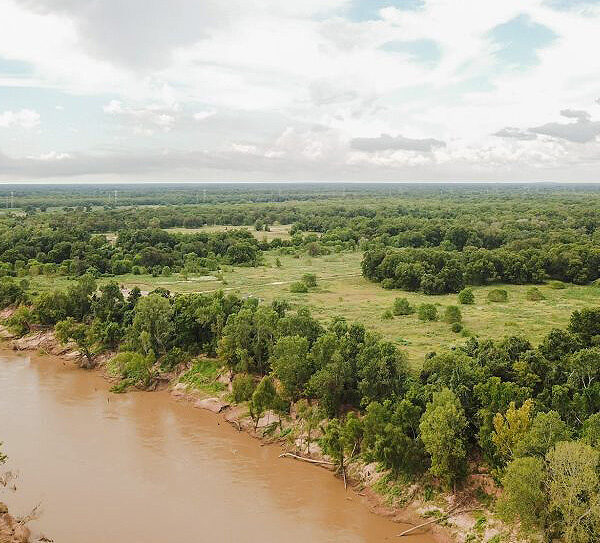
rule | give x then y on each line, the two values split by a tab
528	414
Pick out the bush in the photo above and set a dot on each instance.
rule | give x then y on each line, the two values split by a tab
534	294
427	312
310	280
452	314
131	366
19	322
466	296
172	359
387	315
298	287
497	295
557	285
456	327
388	284
243	387
402	307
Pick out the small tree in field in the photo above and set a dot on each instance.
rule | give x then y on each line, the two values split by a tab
310	280
452	314
403	307
466	296
498	295
427	312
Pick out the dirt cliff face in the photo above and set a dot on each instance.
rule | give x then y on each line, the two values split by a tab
11	530
45	342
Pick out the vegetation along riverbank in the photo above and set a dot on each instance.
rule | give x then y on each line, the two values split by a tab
438	353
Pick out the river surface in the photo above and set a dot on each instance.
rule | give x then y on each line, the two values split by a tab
141	467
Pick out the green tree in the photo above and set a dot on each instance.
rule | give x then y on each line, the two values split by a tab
574	490
291	365
511	428
153	315
82	334
466	296
242	387
524	498
498	295
403	307
452	314
263	399
310	280
391	436
442	432
310	415
591	431
546	430
427	312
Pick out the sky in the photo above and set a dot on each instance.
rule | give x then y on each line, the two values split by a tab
299	90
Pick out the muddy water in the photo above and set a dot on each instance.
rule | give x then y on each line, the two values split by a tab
140	467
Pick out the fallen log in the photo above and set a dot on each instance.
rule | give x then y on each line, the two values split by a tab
439	519
290	455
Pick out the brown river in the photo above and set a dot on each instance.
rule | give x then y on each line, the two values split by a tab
141	467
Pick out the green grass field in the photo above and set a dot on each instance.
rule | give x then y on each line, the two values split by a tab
343	291
281	231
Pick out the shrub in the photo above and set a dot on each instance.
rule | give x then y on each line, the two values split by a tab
243	387
466	296
19	322
202	375
387	315
557	285
456	327
388	283
497	295
172	359
452	314
534	294
298	287
402	307
131	366
427	312
310	280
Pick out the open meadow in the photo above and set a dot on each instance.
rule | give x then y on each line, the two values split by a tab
342	290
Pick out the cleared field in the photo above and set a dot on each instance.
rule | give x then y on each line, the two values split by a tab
343	291
281	231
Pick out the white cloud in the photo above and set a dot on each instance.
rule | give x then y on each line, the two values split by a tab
297	87
24	118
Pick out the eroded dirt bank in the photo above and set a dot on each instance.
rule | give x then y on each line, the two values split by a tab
12	530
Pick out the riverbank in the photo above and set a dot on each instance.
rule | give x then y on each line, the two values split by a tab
402	507
11	529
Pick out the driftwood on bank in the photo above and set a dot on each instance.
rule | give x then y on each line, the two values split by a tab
291	455
452	512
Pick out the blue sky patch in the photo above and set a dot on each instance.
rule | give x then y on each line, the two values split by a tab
14	67
368	10
424	51
519	40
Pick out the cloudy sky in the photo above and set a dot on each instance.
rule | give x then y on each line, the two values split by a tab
299	90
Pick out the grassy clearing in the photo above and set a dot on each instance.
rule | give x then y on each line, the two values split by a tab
341	290
281	231
203	375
